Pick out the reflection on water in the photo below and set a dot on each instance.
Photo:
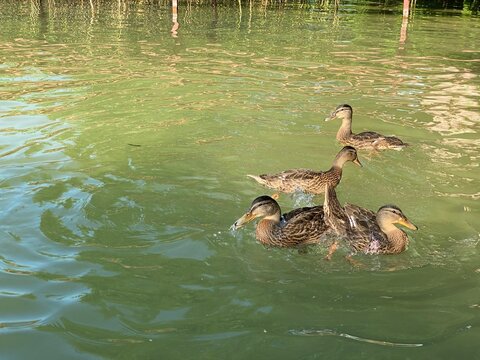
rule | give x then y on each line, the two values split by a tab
451	102
124	144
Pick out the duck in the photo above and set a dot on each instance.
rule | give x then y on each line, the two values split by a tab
307	180
299	227
377	233
366	231
364	140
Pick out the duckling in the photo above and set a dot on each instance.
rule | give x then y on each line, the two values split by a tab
309	181
363	140
302	226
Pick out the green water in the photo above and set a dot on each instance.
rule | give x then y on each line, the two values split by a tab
123	153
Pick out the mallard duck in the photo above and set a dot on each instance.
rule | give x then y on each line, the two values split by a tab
308	180
363	140
302	226
377	233
365	230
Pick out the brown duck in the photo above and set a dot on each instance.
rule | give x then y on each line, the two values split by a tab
309	181
365	230
363	140
298	227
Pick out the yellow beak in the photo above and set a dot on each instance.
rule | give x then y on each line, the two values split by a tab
332	116
357	162
246	218
405	222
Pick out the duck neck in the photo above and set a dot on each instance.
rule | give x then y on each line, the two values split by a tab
334	213
268	228
345	130
338	163
397	239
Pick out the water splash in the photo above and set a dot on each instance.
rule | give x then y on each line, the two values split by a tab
303	199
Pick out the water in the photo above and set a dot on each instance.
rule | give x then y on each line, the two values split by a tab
124	148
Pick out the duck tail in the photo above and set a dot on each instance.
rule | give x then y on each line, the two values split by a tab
257	178
401	146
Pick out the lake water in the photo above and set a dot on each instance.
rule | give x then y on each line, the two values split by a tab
124	147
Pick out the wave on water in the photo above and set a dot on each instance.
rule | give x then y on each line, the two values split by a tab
328	332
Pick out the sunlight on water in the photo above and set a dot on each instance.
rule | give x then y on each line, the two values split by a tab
125	141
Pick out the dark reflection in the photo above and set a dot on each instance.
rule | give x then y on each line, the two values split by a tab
44	12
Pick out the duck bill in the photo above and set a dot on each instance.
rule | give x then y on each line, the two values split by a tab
246	218
357	162
405	222
332	116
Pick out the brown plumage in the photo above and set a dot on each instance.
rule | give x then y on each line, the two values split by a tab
306	180
298	227
334	214
363	140
365	230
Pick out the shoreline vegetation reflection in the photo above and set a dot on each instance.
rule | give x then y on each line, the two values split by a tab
127	129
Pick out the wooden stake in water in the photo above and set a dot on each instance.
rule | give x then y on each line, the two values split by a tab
406	8
174	18
403	31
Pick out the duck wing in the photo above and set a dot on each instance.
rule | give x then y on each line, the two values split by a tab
292	180
389	142
366	235
377	141
304	225
367	135
359	216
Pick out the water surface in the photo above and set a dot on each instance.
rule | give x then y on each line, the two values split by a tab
124	148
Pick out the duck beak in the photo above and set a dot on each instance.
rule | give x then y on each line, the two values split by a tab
357	162
405	222
332	116
247	217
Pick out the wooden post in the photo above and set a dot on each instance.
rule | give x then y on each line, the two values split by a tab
174	10
406	8
175	24
403	31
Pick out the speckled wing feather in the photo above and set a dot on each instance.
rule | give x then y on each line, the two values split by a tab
368	135
296	212
293	180
366	235
371	139
389	142
304	225
359	216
